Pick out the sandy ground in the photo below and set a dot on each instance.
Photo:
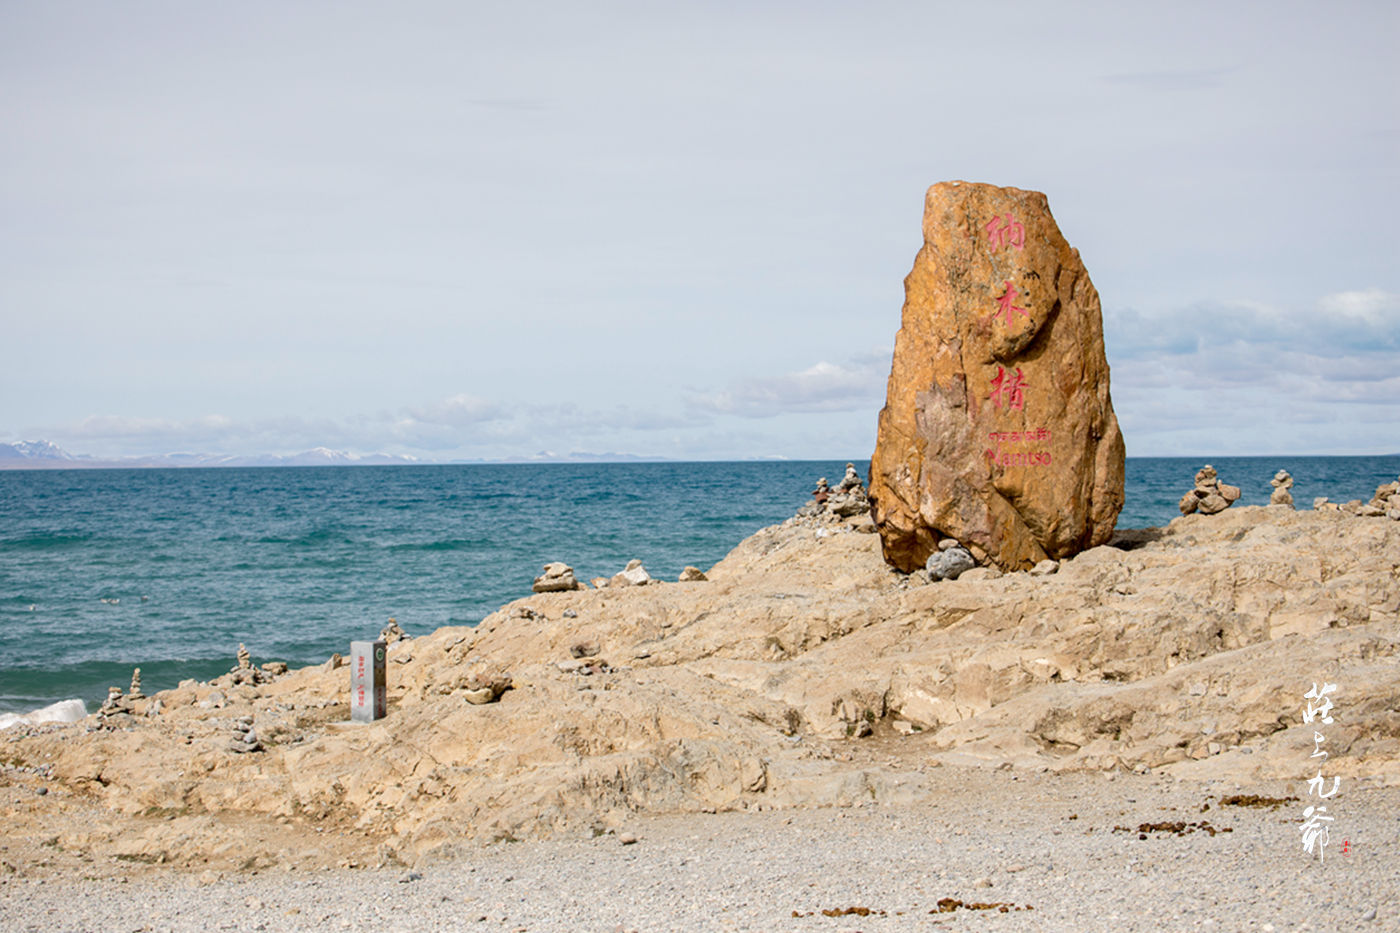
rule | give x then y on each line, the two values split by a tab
1047	847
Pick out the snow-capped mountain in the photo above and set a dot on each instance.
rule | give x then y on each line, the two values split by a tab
41	454
34	450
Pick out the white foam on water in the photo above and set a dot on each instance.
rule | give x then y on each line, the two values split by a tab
62	711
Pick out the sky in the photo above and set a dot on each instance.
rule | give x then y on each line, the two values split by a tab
461	230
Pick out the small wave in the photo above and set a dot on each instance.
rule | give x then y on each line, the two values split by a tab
314	537
450	544
46	541
62	711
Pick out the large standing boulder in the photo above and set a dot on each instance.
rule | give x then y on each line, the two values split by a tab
997	428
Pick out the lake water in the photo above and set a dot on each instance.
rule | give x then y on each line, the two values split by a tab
169	570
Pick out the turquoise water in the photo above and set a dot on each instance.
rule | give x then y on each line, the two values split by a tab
169	570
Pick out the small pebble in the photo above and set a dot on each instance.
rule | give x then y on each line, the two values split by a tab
626	839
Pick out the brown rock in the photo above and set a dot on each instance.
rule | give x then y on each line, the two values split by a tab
997	429
557	578
1213	502
634	574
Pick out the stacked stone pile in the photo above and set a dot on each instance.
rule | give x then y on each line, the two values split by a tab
135	692
1282	483
847	499
245	737
558	577
244	672
1385	503
115	703
1209	495
1387	498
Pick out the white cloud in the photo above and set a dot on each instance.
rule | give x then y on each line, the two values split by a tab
460	425
1372	303
457	410
859	383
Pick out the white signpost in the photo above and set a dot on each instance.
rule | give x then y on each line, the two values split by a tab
367	681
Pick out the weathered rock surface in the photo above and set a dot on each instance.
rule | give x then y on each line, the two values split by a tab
1209	496
557	578
1186	649
1385	502
997	429
634	574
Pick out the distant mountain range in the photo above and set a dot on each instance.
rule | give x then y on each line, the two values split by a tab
32	455
41	455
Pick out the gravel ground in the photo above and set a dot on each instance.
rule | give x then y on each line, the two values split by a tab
1044	845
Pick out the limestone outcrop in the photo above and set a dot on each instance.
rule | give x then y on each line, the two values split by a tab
1185	650
1209	496
1385	502
998	429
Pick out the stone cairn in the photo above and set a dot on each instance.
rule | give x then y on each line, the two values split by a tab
1209	495
846	499
245	737
1387	499
1282	483
135	692
558	577
392	632
1385	503
115	703
245	673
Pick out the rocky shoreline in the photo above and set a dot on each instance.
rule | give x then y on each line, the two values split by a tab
1183	650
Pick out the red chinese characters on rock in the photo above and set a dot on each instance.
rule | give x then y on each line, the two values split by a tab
1005	231
1006	305
1008	390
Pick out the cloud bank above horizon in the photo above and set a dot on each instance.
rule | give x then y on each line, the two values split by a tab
462	233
